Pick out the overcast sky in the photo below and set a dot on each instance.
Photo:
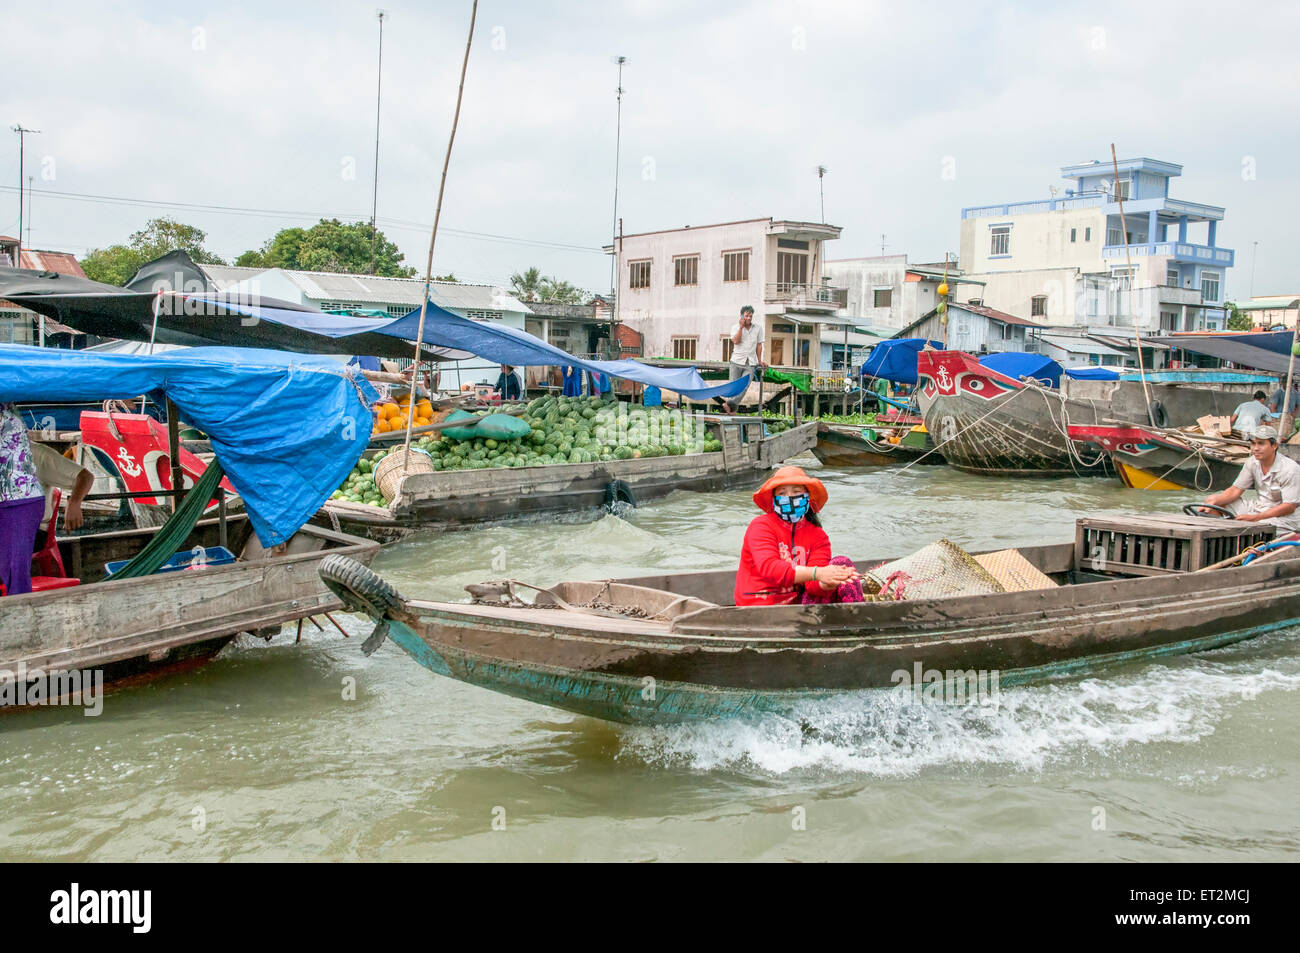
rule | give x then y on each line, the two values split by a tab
729	108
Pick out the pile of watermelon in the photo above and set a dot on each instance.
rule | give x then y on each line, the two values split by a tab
576	430
360	486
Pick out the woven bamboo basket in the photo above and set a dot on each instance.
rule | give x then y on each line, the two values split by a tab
391	470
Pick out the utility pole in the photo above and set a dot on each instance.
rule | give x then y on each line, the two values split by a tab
30	180
1254	253
22	141
374	197
613	258
821	175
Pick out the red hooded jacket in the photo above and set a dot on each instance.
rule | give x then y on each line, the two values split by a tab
772	549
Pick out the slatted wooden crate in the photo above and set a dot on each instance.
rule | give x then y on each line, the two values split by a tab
1165	543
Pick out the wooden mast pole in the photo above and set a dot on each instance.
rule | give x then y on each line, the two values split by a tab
433	236
1128	258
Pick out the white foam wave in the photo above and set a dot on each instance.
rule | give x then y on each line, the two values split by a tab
885	733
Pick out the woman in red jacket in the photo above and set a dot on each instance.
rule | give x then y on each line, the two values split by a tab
786	557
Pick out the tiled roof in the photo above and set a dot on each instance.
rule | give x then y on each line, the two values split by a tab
997	315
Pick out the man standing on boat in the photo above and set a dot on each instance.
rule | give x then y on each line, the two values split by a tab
746	350
1276	481
1250	414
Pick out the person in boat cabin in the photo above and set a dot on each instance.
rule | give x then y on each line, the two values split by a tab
1276	480
1251	413
508	385
53	469
1275	400
22	504
786	557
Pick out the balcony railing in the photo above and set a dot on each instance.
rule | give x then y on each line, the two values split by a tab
818	295
1182	251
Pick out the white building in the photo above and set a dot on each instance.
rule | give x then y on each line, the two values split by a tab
683	289
887	292
1072	260
974	329
330	291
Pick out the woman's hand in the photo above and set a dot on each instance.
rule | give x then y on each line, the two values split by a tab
832	577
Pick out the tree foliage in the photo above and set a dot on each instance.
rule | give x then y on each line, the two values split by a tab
116	264
531	286
330	245
1238	320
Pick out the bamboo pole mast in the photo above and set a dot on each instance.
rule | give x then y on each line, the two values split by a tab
433	237
1128	258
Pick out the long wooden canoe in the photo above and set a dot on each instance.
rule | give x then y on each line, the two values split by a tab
687	653
131	630
462	498
845	445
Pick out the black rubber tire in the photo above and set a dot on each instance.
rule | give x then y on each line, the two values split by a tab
1158	416
360	589
617	491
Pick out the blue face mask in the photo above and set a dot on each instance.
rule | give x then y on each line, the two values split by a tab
790	508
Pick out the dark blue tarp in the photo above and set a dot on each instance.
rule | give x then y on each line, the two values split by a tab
1092	373
286	428
1265	350
1017	364
497	343
895	359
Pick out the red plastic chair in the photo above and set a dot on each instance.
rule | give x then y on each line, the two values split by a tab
47	561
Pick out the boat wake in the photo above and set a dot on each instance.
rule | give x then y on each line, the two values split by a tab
891	734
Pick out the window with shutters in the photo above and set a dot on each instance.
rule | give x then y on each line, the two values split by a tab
882	297
684	349
735	266
638	274
686	270
1000	240
727	345
791	270
1038	306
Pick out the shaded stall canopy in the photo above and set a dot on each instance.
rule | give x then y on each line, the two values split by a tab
286	428
895	359
170	300
1263	350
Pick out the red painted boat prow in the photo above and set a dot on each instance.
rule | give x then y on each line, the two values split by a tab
987	422
137	445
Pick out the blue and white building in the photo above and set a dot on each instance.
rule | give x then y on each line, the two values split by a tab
1070	259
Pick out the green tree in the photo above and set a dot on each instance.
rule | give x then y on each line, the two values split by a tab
1238	320
528	285
116	264
554	291
330	245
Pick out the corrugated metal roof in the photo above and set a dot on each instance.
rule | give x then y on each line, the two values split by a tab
61	262
997	315
328	286
1078	345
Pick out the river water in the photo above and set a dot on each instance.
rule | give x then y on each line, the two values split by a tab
263	756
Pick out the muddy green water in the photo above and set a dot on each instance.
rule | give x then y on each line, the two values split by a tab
1192	758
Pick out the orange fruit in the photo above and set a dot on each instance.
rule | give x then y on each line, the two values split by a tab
381	425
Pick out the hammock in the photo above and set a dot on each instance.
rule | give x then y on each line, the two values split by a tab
171	535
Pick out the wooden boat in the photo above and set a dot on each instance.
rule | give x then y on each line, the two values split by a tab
462	498
849	445
679	650
986	422
1145	459
137	629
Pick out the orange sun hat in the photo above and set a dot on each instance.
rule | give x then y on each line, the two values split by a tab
817	495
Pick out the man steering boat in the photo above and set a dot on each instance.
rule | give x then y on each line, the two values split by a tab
1276	481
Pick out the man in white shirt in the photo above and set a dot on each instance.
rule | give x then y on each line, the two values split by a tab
1250	414
746	349
1276	481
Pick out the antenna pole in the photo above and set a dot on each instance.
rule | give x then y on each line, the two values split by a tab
374	197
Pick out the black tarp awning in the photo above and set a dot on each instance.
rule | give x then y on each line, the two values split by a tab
1264	350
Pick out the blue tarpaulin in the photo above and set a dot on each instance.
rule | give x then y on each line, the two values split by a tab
895	359
1092	373
497	343
1017	364
286	428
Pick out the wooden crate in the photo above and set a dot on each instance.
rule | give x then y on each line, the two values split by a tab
1155	545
